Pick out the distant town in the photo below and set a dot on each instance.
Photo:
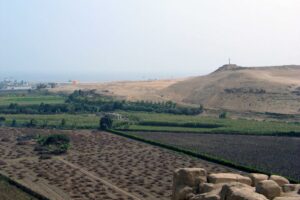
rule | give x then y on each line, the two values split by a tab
9	84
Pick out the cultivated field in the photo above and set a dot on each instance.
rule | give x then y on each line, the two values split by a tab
278	155
31	99
199	124
10	192
99	165
54	120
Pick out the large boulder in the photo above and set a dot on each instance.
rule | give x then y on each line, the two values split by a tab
279	180
256	178
187	177
239	191
228	177
287	198
206	187
291	188
206	196
183	193
269	188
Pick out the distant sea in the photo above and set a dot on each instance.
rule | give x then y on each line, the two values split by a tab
89	77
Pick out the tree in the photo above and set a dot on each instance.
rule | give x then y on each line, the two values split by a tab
14	123
105	122
223	115
63	122
2	120
41	86
32	123
53	144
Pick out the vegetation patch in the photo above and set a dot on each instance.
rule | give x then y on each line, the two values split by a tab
159	122
53	144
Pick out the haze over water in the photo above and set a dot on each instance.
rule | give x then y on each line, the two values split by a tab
100	40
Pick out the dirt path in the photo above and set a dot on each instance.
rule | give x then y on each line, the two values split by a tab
98	178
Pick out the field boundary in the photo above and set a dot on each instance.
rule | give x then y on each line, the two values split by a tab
23	188
203	156
277	134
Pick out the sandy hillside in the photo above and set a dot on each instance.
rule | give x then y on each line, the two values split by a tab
239	89
130	90
259	89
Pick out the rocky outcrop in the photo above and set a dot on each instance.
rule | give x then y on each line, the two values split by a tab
186	181
195	184
269	188
279	180
256	178
228	178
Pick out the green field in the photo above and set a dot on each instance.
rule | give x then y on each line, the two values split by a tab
31	99
161	122
141	121
72	120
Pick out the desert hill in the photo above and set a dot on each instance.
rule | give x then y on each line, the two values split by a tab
129	90
255	89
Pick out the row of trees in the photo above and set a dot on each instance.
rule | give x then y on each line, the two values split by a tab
90	102
99	102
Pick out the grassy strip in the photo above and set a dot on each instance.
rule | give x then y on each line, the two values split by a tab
23	188
135	128
174	124
80	121
198	155
31	100
228	125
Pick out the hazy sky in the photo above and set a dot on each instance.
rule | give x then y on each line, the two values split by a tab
138	39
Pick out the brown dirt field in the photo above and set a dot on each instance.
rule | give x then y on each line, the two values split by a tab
10	192
99	165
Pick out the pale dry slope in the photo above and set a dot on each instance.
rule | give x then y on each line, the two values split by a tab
258	89
129	90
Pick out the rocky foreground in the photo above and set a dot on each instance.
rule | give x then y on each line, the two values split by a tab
195	184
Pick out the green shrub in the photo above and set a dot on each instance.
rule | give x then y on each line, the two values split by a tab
14	123
105	123
53	144
223	115
63	123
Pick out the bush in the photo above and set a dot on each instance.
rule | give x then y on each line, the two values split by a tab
14	123
53	144
63	123
2	121
105	123
32	123
223	115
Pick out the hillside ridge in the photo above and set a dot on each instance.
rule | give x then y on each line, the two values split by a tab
233	87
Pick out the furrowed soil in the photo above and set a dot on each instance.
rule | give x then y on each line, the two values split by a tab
278	155
99	165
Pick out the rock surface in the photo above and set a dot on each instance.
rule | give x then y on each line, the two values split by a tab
190	177
269	188
193	184
228	177
279	180
240	191
256	178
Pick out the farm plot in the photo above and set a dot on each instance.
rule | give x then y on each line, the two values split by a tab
31	99
9	192
98	165
279	155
